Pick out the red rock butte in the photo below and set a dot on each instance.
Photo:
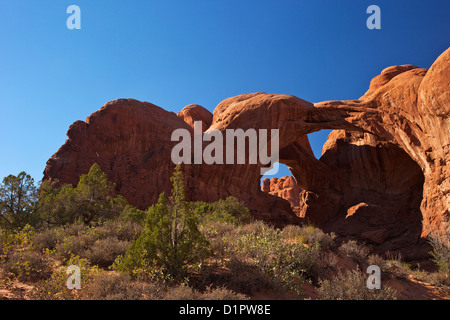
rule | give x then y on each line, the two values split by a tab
383	176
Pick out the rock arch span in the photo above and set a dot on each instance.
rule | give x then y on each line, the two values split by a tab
384	165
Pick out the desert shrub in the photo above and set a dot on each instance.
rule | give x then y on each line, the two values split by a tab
221	293
232	206
206	213
392	265
119	286
91	200
246	277
101	244
351	285
229	210
12	239
55	287
179	292
439	239
309	235
104	252
355	250
22	237
75	245
70	230
214	229
18	198
170	238
395	265
46	239
27	265
377	260
144	269
119	229
437	279
133	214
218	234
184	292
285	262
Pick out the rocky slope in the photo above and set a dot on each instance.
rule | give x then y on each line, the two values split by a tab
383	176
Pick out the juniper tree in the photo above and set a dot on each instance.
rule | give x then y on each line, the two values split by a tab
170	238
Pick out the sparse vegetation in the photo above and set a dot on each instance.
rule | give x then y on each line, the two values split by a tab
90	201
439	239
351	285
170	238
184	250
357	251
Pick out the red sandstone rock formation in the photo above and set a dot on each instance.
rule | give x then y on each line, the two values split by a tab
131	141
384	174
194	112
286	188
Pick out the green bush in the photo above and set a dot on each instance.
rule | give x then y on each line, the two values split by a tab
12	239
228	210
218	234
91	200
133	214
439	239
286	262
170	237
101	245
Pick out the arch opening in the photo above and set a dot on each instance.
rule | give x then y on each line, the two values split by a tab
360	187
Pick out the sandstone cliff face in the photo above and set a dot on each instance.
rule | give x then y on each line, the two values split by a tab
411	111
131	141
285	188
383	176
195	112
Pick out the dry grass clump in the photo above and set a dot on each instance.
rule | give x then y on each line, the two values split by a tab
351	285
100	244
357	251
439	238
309	235
104	252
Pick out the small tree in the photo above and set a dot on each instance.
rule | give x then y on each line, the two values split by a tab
93	199
170	238
18	196
231	206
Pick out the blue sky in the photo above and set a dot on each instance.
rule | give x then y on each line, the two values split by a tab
177	52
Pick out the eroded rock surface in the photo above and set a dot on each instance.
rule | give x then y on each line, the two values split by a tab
286	188
383	177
